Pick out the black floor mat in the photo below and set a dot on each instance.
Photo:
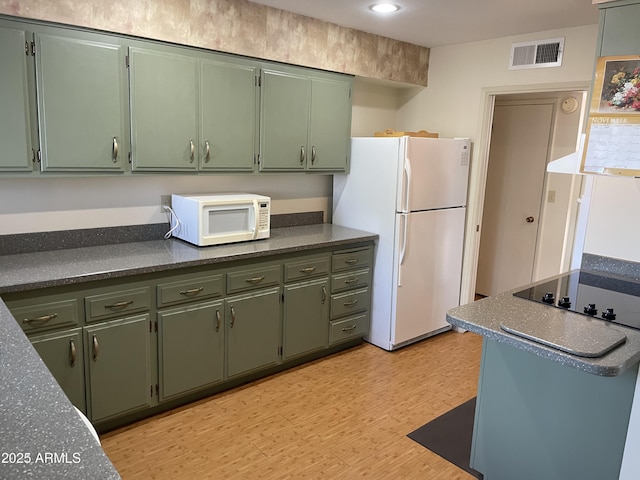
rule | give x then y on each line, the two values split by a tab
449	436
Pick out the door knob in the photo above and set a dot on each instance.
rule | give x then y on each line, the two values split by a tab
530	219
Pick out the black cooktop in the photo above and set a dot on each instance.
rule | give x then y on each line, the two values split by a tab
609	299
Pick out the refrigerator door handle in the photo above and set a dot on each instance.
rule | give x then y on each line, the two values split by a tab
407	178
404	230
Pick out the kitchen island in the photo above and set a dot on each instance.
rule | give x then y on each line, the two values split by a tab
43	436
542	412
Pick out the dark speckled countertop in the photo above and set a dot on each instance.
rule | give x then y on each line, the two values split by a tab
485	316
36	418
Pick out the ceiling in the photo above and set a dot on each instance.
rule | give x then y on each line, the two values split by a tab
433	23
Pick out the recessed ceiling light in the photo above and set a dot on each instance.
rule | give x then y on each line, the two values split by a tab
384	8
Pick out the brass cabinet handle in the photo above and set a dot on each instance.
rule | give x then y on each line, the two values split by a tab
44	318
254	279
114	149
72	353
324	294
96	347
207	151
218	319
192	151
302	155
313	154
349	329
308	270
352	280
233	317
351	303
192	292
351	261
119	305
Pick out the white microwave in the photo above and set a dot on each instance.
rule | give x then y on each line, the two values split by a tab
224	218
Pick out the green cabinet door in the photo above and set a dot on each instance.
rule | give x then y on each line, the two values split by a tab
164	117
62	352
190	348
118	359
81	85
330	125
16	118
228	116
306	317
253	331
284	121
619	34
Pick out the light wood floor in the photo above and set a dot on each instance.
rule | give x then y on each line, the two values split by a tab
340	417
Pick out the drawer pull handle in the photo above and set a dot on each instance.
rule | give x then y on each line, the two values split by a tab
352	280
96	347
44	318
351	303
193	291
349	329
351	261
72	353
308	270
115	306
218	319
324	294
233	317
254	279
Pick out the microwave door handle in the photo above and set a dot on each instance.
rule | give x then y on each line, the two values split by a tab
256	218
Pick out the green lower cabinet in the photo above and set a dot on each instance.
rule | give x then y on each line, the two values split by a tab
306	317
253	331
118	359
190	348
62	352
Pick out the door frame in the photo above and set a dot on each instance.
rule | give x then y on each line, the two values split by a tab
478	177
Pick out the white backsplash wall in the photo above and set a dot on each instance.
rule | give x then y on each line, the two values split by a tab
29	205
613	226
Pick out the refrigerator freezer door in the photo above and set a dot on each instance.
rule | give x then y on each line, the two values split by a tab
436	174
429	275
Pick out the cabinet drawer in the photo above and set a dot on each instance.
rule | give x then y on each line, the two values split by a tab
351	259
124	302
187	290
47	316
310	267
254	278
350	280
349	328
350	302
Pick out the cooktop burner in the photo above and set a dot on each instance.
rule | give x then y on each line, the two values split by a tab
606	298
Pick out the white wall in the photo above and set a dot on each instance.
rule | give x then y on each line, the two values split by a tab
613	226
49	204
375	106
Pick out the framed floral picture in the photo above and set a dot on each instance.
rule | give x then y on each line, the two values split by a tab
617	86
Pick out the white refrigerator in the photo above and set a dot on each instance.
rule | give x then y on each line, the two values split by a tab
412	192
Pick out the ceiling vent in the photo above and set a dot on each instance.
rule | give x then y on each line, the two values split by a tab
544	53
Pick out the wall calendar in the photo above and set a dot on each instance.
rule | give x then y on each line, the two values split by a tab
612	145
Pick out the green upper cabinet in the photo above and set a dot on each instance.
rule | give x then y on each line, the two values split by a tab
619	33
228	116
305	121
17	115
81	84
284	120
164	117
330	125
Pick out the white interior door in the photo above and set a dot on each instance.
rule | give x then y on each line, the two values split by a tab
429	273
520	143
